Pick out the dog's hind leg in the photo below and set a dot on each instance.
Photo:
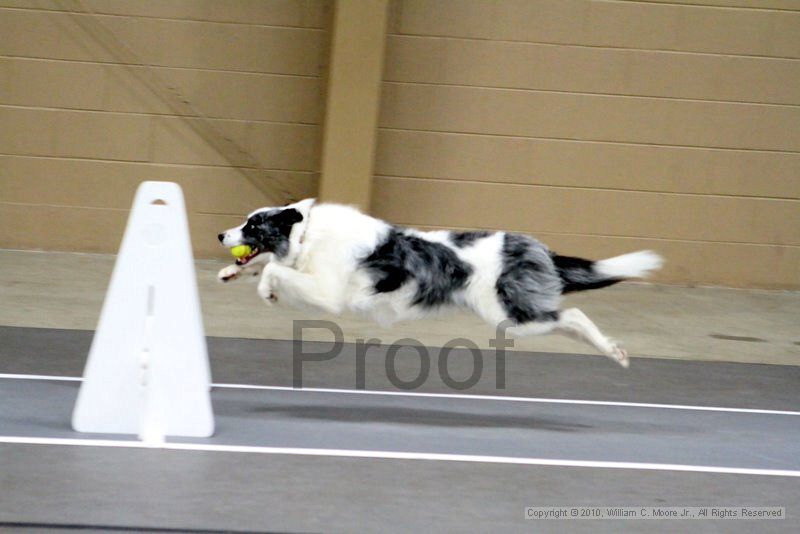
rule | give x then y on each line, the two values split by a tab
573	322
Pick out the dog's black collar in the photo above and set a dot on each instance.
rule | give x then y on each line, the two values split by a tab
302	237
307	221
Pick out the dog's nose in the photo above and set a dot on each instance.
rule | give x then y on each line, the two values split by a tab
221	237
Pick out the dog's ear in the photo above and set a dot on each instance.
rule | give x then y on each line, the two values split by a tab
285	219
304	206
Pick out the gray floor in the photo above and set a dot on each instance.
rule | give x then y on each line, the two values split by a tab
44	351
347	421
91	487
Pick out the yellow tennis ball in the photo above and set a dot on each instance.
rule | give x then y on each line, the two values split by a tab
241	251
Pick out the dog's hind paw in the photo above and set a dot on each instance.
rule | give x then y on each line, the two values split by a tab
620	355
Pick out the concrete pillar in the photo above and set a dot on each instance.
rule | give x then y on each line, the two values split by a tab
353	101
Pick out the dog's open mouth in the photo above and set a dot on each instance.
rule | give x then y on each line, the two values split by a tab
254	251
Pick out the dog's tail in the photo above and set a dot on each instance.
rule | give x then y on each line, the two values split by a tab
579	274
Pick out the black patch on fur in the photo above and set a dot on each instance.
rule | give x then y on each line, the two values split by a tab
578	274
401	258
269	230
465	239
528	285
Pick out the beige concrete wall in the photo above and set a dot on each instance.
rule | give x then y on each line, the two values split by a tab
83	123
601	127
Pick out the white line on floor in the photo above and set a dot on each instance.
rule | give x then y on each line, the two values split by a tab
42	377
455	396
514	399
397	455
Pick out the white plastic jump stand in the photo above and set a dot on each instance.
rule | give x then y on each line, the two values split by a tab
147	371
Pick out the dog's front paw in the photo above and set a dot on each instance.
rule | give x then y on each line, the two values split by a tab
231	272
266	290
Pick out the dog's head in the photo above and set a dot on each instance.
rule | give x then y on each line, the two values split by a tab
268	231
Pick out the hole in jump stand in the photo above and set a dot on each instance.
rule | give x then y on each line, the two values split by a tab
145	354
159	202
151	300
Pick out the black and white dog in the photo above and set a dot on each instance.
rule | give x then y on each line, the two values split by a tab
335	258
